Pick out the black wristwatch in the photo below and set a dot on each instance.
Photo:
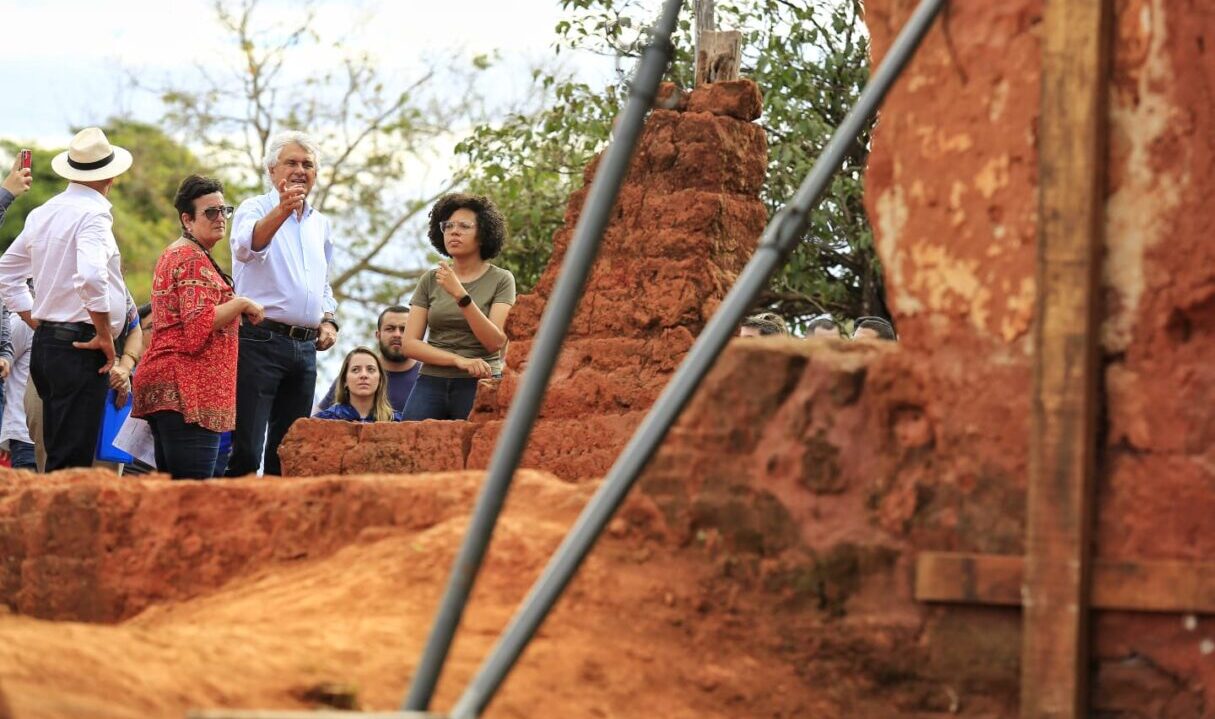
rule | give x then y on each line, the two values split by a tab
464	301
333	322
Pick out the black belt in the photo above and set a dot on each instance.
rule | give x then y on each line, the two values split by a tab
305	334
78	326
77	331
65	331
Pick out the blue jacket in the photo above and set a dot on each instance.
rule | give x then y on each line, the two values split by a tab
348	413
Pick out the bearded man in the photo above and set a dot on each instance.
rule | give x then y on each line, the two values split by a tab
402	371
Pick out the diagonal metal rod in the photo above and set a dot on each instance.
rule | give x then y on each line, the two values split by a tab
779	238
554	325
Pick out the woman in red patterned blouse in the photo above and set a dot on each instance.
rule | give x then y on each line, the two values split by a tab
186	382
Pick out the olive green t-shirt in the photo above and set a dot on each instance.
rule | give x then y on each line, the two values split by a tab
446	327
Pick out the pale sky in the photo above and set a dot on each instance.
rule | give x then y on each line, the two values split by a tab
65	61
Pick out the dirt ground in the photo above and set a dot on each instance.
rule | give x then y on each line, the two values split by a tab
645	630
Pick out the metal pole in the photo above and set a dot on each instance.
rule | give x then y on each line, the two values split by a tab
553	327
779	238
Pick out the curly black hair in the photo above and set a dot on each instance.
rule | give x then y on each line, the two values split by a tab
192	188
491	225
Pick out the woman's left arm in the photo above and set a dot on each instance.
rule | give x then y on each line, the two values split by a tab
488	330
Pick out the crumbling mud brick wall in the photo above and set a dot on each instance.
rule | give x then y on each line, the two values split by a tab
837	464
687	219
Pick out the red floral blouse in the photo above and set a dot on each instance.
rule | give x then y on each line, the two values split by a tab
189	368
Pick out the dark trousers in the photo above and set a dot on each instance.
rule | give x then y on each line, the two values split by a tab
22	455
184	450
441	398
72	394
275	382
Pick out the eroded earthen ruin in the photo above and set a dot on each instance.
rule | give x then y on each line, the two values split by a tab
764	565
686	220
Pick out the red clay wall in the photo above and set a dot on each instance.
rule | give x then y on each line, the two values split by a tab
687	218
838	465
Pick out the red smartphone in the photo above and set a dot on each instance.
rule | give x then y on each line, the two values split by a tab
27	160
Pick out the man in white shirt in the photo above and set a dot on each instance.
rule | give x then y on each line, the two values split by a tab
77	307
281	250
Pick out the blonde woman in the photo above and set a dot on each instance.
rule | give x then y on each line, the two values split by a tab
362	392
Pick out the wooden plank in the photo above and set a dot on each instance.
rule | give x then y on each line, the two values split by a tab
1142	586
1063	428
969	578
718	55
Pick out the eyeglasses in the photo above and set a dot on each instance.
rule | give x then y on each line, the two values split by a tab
448	226
213	213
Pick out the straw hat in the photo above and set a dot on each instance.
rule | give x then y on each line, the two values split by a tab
90	156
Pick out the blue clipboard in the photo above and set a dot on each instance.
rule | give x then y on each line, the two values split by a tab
111	421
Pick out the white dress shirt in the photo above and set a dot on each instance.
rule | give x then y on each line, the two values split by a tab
14	426
290	276
68	247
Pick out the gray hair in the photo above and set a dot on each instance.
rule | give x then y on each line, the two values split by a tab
275	147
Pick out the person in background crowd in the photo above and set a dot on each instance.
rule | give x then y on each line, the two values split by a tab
823	326
281	251
131	341
362	393
764	324
144	312
186	384
132	349
68	248
401	371
873	328
463	304
14	434
15	185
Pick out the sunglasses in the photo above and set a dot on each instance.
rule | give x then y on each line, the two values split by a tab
212	213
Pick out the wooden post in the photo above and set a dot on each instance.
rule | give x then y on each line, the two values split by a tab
717	53
1063	440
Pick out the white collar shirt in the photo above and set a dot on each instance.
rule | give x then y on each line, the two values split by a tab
289	277
67	246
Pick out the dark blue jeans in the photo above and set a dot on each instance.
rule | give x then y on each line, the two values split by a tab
184	450
441	398
72	394
22	455
275	381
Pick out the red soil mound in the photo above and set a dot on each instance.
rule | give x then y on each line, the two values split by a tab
343	590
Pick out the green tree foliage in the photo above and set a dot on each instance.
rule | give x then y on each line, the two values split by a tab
145	221
811	61
374	129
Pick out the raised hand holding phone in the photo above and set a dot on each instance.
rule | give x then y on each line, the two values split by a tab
21	176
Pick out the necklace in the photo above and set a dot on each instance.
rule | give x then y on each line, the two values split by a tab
227	278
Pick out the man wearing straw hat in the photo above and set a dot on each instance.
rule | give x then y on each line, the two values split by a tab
77	308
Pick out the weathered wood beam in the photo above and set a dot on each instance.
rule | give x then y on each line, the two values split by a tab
1175	586
718	56
1063	429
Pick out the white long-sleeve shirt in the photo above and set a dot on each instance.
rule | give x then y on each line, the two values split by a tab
290	276
68	247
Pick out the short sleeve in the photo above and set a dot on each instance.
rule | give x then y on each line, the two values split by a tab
421	295
504	291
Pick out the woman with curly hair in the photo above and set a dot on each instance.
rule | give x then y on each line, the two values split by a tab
463	304
361	394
